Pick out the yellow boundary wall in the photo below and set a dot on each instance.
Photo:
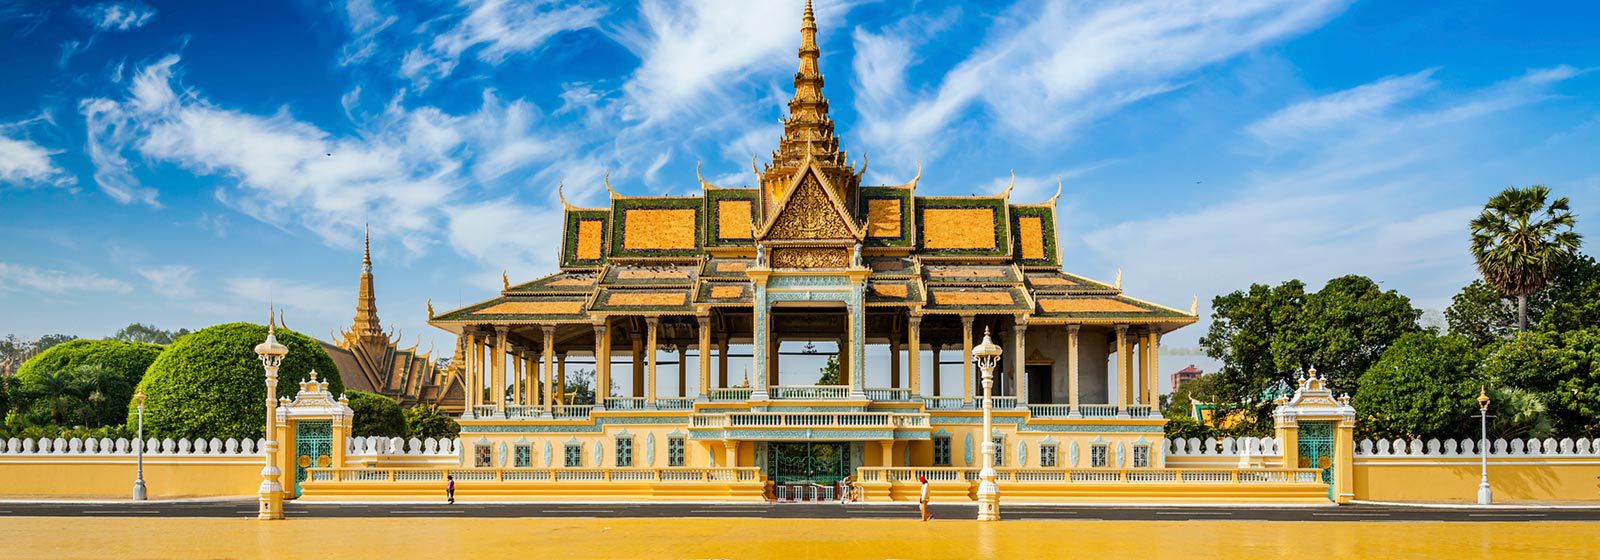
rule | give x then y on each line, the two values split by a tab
112	476
1436	479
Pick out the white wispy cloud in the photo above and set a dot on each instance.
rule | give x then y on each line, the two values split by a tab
20	277
170	281
365	19
496	29
24	163
118	16
1049	67
1388	198
1361	102
310	299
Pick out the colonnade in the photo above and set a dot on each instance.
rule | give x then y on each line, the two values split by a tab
1135	372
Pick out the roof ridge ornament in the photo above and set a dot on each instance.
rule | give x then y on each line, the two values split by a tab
1052	201
703	184
1007	193
561	193
1118	282
608	186
1194	306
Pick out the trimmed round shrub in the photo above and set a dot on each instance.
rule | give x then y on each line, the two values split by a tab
426	421
127	361
376	415
210	383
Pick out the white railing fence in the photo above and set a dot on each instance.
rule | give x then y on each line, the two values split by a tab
377	445
125	446
1225	446
1533	447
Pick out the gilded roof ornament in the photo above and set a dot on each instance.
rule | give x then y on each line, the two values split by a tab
1194	306
703	184
1118	282
914	180
430	308
1052	201
505	280
608	186
865	161
1007	193
561	193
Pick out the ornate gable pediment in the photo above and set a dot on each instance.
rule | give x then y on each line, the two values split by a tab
810	210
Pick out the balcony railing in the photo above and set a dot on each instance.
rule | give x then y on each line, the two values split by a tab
943	403
1003	402
524	411
889	395
1097	410
1095	476
625	403
675	403
571	410
809	420
1139	410
1050	410
730	394
620	475
484	410
811	392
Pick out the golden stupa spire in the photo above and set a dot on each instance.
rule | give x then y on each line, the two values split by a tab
808	130
366	320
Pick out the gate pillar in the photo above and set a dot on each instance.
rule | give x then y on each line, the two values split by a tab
313	429
1316	430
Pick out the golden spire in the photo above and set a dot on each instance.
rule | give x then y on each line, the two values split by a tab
808	130
366	251
366	323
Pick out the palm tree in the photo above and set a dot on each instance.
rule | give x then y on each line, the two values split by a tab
57	390
100	387
1519	241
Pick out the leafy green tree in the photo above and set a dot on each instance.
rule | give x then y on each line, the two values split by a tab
15	351
99	388
1562	368
1519	241
830	372
425	421
376	415
1519	413
125	360
210	383
1424	386
52	395
580	384
140	332
1265	335
1343	329
1570	300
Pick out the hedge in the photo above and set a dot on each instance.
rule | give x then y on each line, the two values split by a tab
128	360
210	383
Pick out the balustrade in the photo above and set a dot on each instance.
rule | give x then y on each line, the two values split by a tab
943	403
1005	402
1139	410
616	475
1049	410
730	394
571	410
888	395
484	410
809	420
1097	410
909	475
810	392
625	403
675	403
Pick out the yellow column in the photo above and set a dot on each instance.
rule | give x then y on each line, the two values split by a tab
469	385
1072	368
1145	391
894	362
683	371
966	359
1123	395
722	361
731	447
914	356
1289	438
602	362
650	376
887	447
1155	366
499	355
561	378
549	367
704	323
516	375
638	366
1344	450
1019	360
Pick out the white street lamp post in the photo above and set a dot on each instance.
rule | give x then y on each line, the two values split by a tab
1485	495
987	356
138	449
271	492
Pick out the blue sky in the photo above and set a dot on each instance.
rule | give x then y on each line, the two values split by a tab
184	164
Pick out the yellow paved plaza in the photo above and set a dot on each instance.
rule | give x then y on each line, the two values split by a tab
480	538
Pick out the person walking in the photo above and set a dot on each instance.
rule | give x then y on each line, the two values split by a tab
450	488
923	500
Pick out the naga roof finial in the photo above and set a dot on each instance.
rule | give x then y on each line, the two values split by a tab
1052	201
1007	193
430	308
608	185
561	188
1194	305
505	280
703	184
1118	282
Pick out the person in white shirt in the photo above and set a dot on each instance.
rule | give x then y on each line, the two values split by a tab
923	500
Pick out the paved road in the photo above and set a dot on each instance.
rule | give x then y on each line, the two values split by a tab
796	511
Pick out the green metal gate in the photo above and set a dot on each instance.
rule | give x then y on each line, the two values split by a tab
1316	450
313	447
814	463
